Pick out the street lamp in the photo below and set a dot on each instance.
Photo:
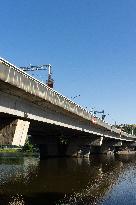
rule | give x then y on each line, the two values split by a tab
75	97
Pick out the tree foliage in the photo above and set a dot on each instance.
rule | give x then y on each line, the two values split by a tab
29	147
128	128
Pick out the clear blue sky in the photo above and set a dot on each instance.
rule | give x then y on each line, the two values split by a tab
91	45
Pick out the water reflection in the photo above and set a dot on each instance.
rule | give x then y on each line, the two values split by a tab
27	180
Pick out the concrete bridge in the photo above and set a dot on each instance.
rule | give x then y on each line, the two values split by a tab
58	125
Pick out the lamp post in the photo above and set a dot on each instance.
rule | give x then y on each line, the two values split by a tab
75	97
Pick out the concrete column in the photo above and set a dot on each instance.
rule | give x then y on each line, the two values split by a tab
128	144
78	146
128	147
109	146
79	151
96	144
48	150
13	132
48	145
84	151
82	146
73	147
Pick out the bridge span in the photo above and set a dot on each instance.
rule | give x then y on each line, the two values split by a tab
57	124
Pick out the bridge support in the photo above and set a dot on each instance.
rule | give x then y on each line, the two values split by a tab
49	146
108	146
52	146
73	148
82	146
13	132
48	150
128	147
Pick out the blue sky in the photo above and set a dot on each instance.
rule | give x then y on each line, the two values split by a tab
91	45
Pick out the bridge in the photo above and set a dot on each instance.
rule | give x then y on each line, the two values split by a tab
57	124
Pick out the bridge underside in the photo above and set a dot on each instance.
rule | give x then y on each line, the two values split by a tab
54	140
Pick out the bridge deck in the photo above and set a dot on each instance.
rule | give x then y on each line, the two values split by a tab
11	74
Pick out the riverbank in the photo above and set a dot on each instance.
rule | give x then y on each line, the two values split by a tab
16	152
125	152
10	150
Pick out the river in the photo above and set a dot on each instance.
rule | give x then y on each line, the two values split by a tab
100	180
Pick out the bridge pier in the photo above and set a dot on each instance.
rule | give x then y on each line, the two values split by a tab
73	148
110	146
78	150
128	147
13	131
53	147
82	146
96	145
107	146
49	146
47	150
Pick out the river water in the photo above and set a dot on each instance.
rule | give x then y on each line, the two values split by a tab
100	180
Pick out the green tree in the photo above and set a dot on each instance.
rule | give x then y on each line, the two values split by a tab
29	147
128	128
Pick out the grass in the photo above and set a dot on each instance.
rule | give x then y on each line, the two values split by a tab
11	150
